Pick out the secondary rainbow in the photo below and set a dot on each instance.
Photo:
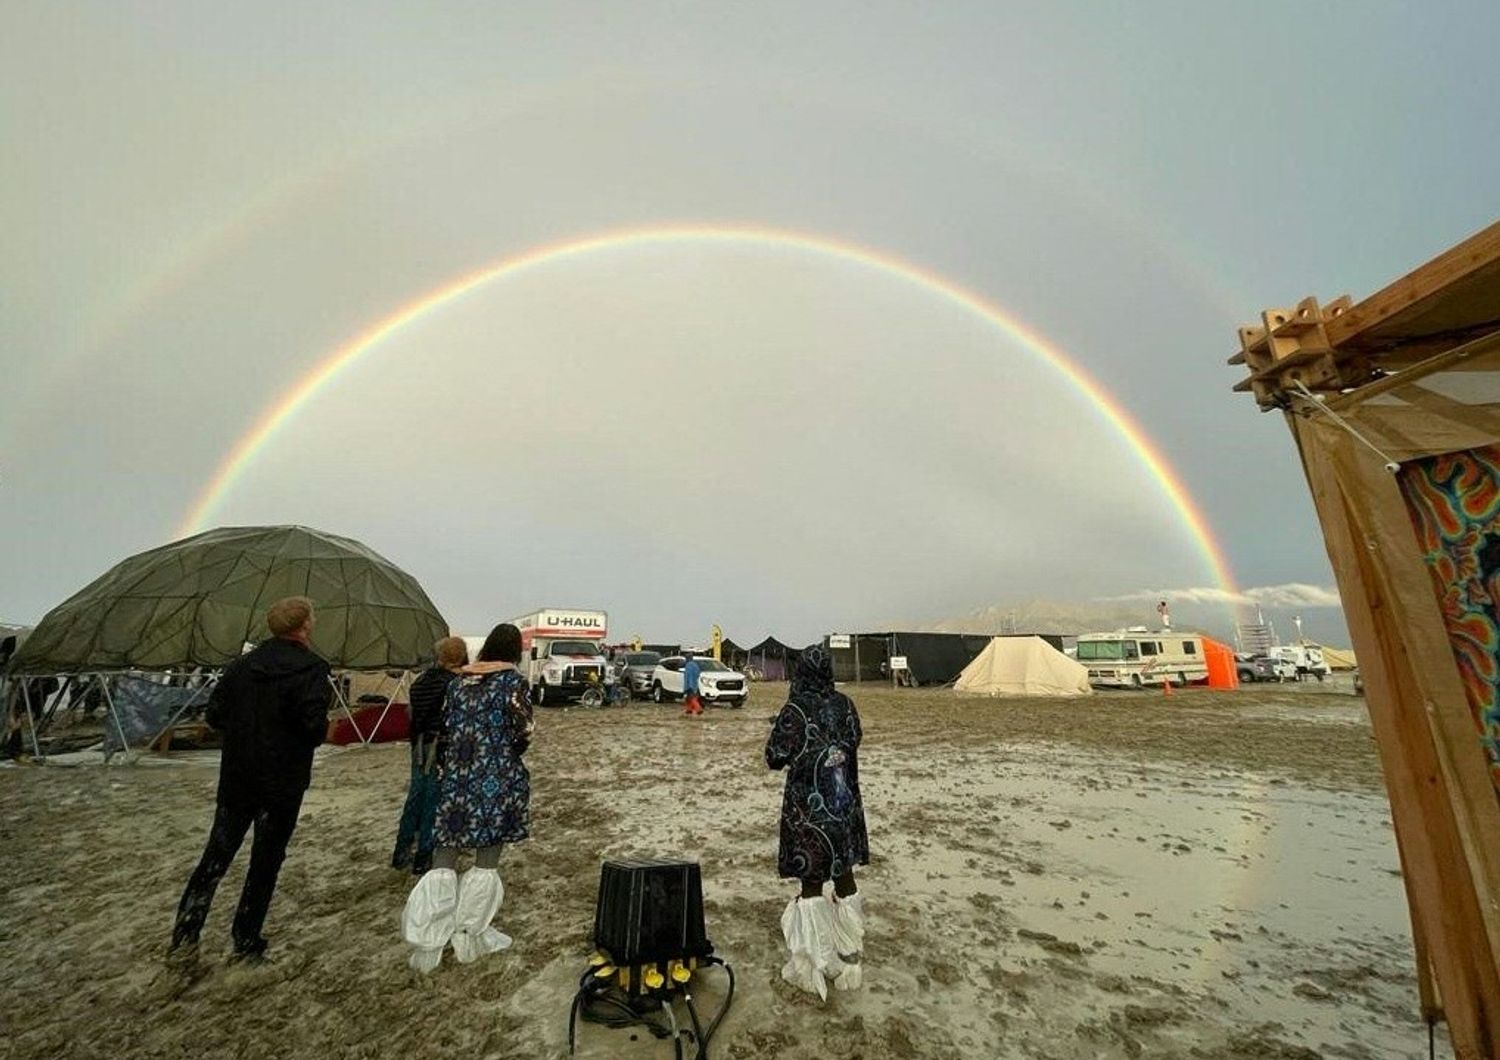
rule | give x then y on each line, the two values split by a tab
245	450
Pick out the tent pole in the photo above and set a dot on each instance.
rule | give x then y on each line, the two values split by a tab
36	745
338	694
191	703
390	701
109	701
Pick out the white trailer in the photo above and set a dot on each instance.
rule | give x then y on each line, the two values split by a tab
1135	658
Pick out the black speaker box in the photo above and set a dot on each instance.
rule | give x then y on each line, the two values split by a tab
650	911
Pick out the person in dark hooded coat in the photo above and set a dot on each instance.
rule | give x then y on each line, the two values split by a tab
816	738
272	707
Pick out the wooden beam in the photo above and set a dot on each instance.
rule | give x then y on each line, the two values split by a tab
1427	297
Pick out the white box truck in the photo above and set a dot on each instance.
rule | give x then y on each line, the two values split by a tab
562	654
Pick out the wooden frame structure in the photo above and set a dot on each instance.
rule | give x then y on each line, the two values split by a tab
1374	393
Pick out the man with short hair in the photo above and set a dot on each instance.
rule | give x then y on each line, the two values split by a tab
426	701
271	704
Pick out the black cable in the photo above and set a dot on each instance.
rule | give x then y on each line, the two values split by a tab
723	1009
599	1002
687	999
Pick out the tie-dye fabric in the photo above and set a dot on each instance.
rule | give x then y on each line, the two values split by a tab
1454	501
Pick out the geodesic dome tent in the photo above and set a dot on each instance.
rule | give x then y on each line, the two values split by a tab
196	602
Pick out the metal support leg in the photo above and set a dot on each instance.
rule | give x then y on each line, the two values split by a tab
338	694
36	745
390	701
109	701
193	701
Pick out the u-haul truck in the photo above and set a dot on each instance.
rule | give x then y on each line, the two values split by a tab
1134	658
562	653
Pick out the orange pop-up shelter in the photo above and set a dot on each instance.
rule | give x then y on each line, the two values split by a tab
1222	673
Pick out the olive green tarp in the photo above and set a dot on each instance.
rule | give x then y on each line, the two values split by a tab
196	602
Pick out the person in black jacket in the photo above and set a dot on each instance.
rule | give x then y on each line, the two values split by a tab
272	707
426	701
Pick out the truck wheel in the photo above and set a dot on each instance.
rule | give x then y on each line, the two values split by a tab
737	703
657	695
1247	677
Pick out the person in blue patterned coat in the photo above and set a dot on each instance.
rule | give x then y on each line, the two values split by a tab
816	738
484	803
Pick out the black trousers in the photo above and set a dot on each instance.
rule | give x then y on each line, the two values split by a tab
274	820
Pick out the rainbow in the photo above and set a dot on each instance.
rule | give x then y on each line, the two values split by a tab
245	450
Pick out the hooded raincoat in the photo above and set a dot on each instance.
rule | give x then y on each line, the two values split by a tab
816	740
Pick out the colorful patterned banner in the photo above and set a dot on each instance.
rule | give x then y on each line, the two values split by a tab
1454	501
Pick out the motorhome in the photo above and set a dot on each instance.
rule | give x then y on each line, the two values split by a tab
1135	658
562	653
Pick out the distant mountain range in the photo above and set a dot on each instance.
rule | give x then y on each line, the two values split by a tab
1046	616
1100	616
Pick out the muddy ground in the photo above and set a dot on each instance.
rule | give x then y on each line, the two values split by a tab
1210	875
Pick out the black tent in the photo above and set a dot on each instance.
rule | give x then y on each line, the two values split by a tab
774	659
732	654
931	658
865	659
937	658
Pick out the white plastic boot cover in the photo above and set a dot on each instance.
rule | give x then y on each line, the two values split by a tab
808	927
479	895
427	921
849	939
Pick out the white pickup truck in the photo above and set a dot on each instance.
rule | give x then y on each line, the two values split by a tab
717	683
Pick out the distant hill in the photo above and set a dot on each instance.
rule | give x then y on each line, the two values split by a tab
1047	616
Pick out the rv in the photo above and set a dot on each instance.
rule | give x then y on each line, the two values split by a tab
1135	658
562	653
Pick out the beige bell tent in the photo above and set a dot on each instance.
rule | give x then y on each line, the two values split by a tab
1023	666
1339	658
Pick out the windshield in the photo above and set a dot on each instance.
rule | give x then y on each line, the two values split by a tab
642	658
573	647
1099	649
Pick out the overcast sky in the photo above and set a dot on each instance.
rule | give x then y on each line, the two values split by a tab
201	201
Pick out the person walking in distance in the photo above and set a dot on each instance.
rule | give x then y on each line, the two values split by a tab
414	833
816	738
271	704
691	669
484	802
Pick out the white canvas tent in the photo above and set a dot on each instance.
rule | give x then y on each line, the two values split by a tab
1023	666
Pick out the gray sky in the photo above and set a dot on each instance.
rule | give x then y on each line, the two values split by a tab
201	201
